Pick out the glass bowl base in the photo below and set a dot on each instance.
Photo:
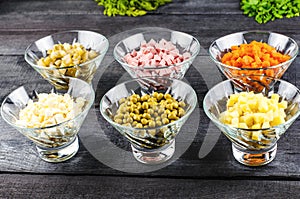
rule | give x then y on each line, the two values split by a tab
156	156
254	158
59	154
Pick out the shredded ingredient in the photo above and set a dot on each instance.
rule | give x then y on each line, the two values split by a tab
269	10
130	7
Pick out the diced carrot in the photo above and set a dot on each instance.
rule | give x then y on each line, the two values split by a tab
259	52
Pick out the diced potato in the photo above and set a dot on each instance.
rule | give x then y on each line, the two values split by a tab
277	120
234	114
254	111
265	125
232	100
263	106
256	126
249	120
243	125
252	104
283	104
256	135
235	122
275	97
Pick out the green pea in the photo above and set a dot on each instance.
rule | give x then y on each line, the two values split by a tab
122	100
119	121
164	116
145	97
161	110
144	121
155	94
133	99
168	96
150	111
182	104
167	112
137	118
159	96
152	132
165	121
158	123
181	112
175	105
118	116
157	118
172	116
147	116
151	124
139	126
169	106
136	111
145	105
134	123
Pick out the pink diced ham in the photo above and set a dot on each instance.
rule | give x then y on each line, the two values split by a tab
156	54
152	42
186	55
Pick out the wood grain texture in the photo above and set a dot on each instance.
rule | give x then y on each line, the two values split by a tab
217	175
49	186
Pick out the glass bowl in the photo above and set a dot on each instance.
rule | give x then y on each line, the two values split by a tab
184	43
54	143
252	147
253	79
150	145
57	76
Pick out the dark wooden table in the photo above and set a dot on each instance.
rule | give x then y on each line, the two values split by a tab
104	166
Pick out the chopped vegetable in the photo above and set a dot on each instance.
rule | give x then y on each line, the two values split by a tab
266	10
253	65
130	7
254	55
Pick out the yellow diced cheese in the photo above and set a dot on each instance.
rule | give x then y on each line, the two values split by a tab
263	106
256	126
283	104
275	97
265	125
254	111
232	99
256	135
243	125
277	120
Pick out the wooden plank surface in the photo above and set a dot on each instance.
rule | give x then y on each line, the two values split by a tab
48	186
217	175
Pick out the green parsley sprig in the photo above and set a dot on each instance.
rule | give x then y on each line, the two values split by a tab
130	7
269	10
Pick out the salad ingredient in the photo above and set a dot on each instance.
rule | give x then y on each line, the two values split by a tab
149	111
156	54
254	55
248	110
50	109
64	55
130	7
269	10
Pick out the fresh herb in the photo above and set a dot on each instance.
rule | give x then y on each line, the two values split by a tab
130	7
266	10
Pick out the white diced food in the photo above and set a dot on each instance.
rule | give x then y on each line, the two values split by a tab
50	109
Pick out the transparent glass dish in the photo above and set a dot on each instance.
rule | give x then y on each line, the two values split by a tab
58	76
246	149
183	42
55	143
253	79
150	145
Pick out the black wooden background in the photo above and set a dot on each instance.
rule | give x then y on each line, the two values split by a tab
217	175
